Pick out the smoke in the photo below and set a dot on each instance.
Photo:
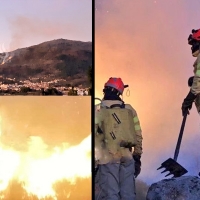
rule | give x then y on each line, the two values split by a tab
141	43
25	30
141	189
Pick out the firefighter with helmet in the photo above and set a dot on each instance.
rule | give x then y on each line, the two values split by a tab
118	145
194	82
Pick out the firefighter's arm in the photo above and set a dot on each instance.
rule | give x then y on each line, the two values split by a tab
138	131
138	141
98	134
97	119
195	88
138	147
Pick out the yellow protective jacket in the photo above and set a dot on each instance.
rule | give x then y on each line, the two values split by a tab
101	153
195	88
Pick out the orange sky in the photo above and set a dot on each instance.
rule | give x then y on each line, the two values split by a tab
55	119
145	43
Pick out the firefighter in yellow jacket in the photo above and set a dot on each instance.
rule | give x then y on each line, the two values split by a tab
118	145
193	95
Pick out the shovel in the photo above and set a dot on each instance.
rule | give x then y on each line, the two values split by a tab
170	164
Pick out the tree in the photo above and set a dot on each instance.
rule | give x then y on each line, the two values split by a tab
25	89
51	91
72	92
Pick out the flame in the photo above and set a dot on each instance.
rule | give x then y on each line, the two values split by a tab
9	162
39	168
7	56
0	125
6	59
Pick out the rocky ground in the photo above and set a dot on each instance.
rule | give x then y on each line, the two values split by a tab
181	188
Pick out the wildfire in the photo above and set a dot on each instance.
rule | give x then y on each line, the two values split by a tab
6	59
40	168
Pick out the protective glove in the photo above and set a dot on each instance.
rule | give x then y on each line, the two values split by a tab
190	81
187	103
137	164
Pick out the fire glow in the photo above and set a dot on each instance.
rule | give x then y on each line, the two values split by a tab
39	168
6	59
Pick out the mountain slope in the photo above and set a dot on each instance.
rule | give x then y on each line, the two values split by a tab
54	59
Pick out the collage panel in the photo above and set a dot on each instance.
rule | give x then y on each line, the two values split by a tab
46	48
46	83
45	148
147	105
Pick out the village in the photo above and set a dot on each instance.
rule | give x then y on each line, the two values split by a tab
9	86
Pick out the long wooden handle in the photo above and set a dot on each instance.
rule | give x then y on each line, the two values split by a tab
180	138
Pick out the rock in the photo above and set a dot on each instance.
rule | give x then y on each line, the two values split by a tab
181	188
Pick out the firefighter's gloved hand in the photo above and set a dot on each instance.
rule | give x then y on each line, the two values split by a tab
187	103
137	164
190	81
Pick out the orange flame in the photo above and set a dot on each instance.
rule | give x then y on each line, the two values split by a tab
39	168
6	59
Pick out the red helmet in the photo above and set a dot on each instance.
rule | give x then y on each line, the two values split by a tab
194	41
115	83
195	36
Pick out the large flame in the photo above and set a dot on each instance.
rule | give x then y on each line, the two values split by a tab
39	168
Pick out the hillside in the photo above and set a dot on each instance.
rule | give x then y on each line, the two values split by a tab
56	59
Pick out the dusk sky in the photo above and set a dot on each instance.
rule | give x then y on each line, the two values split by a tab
145	43
30	22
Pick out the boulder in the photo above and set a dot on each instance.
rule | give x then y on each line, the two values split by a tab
181	188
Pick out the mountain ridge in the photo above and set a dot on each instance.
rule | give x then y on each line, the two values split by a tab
55	59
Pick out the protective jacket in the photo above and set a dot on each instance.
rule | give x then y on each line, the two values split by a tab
195	88
102	153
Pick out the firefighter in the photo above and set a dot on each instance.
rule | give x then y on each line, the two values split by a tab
118	145
194	41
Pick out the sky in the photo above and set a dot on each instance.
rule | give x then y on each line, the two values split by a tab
145	44
52	137
31	22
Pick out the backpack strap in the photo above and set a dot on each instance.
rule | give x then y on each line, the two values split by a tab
118	105
113	105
